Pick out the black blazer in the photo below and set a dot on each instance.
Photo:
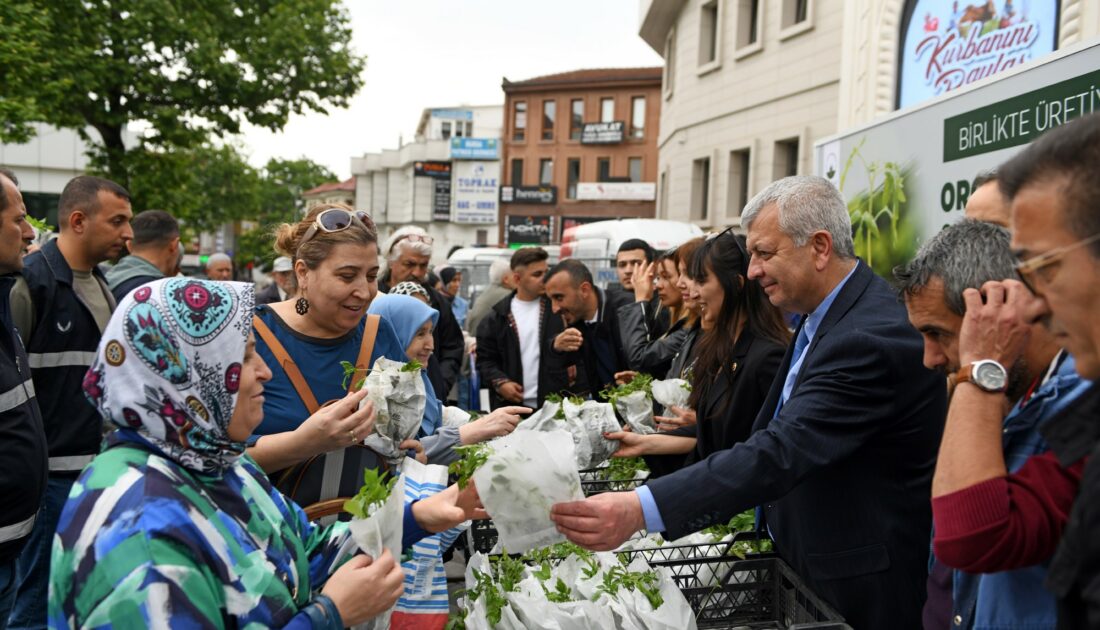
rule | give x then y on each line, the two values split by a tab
844	472
728	411
498	352
604	331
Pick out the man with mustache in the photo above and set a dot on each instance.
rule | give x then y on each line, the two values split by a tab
1037	386
60	307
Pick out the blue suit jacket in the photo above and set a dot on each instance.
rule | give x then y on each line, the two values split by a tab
844	472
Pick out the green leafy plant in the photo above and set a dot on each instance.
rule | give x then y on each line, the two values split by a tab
645	582
879	208
40	224
623	468
561	593
560	398
640	383
374	492
349	373
412	366
471	458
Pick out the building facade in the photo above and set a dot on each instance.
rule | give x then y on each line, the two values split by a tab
750	85
578	146
445	181
331	192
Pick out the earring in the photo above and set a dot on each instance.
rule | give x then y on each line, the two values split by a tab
301	306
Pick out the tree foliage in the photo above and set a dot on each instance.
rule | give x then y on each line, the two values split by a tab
184	70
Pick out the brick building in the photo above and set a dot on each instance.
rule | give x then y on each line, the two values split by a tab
578	146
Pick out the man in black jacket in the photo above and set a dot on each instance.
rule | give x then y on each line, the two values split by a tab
23	456
842	451
407	254
61	307
632	260
513	339
592	341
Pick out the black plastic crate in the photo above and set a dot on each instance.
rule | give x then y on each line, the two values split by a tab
592	482
758	592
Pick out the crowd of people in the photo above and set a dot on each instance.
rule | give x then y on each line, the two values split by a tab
918	449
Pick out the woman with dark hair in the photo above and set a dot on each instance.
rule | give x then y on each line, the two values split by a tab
735	359
646	351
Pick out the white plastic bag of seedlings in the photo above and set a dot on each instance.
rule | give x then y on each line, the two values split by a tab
531	604
637	409
455	417
588	422
544	419
399	400
381	530
525	475
673	392
477	610
633	609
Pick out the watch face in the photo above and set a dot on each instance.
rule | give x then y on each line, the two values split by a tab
990	376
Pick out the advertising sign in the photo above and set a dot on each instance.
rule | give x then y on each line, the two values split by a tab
441	200
475	149
529	230
938	148
948	44
474	192
613	191
529	194
602	133
432	169
453	114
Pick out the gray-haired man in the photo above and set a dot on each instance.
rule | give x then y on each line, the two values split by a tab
1040	383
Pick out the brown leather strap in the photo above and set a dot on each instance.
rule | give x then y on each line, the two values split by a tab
288	365
321	509
362	362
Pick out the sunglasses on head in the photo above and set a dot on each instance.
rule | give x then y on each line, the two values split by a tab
736	241
337	220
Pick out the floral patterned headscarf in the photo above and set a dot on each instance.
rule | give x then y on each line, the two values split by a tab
169	365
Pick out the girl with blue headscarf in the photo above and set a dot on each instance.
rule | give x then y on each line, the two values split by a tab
412	321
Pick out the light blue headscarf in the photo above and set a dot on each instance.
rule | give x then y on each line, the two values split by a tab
407	314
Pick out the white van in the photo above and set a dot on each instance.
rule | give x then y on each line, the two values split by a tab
597	243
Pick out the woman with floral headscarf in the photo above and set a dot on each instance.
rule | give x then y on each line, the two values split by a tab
172	525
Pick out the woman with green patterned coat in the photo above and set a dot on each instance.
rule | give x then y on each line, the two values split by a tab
172	525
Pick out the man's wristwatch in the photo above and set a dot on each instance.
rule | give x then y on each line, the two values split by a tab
987	374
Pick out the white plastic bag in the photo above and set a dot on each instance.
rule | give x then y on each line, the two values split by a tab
381	530
673	392
455	417
543	420
637	409
525	475
399	401
588	422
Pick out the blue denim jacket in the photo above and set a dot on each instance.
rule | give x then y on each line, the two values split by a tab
1017	600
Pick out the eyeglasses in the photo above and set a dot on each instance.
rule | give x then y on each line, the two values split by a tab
337	220
413	238
1029	270
736	241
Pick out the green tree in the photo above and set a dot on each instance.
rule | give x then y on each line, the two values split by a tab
280	201
183	70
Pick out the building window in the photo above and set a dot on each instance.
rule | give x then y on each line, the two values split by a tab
573	175
700	189
738	191
637	117
517	172
546	171
576	118
748	22
607	109
549	110
519	121
786	158
634	169
446	127
670	63
795	12
469	129
708	33
603	169
482	237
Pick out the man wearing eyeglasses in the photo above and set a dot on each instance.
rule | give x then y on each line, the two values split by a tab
1038	385
1051	505
408	255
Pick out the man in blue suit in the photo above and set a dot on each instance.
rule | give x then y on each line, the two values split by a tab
843	450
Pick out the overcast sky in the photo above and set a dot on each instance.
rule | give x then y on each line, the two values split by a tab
433	53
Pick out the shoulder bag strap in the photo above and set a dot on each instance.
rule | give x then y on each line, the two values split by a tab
370	335
288	365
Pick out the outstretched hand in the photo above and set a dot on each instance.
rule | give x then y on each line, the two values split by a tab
630	444
602	522
449	508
